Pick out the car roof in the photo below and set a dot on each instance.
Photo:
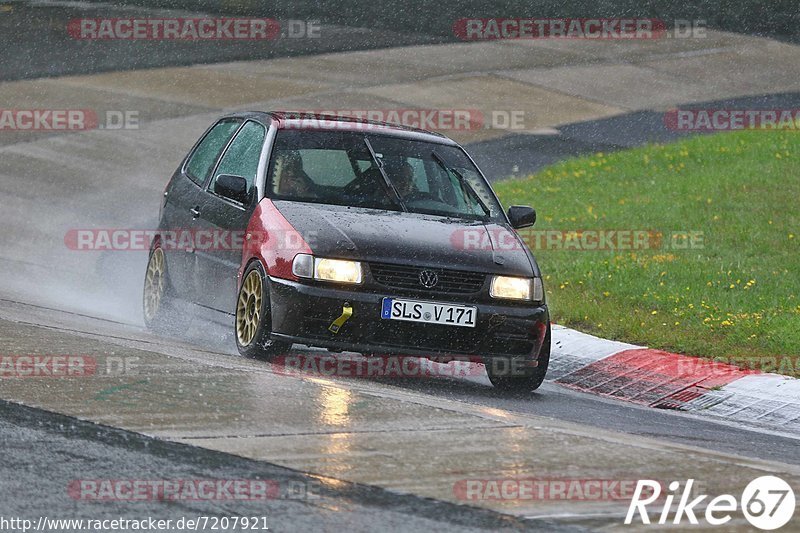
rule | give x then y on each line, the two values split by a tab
299	120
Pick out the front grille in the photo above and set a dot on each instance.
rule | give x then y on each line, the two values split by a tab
408	277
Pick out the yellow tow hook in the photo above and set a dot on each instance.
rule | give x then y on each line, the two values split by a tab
347	312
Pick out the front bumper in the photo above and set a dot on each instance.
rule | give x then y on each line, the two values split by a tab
302	313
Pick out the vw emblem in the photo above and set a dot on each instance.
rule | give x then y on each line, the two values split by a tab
428	279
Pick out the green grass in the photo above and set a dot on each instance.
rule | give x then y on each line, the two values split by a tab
737	297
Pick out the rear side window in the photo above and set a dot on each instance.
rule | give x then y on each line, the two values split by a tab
202	160
243	155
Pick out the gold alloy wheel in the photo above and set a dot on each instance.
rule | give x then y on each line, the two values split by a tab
248	308
154	284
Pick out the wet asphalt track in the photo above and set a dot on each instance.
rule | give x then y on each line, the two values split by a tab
207	332
66	449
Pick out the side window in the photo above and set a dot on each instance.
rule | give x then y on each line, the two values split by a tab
202	161
243	155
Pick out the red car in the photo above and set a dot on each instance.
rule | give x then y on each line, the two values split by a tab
349	235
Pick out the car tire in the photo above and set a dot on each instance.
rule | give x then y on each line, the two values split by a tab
159	304
531	380
253	319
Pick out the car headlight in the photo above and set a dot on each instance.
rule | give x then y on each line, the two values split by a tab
337	270
513	288
323	269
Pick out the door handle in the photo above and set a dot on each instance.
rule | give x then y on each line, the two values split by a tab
195	211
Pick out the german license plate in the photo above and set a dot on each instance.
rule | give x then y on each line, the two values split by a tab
429	312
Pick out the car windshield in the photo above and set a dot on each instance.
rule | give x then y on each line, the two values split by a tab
381	172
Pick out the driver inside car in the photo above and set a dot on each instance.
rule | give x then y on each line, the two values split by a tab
402	175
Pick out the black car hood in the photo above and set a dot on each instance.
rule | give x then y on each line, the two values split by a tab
407	238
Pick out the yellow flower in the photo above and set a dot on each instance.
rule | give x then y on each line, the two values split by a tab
654	312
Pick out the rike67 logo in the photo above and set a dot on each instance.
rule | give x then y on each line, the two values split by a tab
767	503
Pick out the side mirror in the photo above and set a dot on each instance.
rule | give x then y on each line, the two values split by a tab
521	216
233	188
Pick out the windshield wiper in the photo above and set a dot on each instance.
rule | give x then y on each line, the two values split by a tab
464	183
397	198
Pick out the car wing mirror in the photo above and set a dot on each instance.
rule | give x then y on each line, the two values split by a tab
233	188
521	216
